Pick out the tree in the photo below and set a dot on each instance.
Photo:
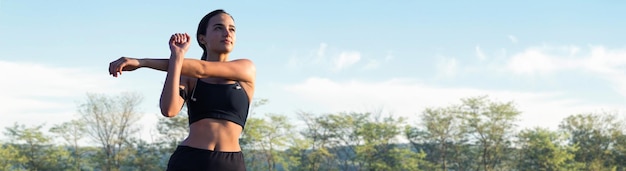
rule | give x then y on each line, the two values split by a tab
619	151
542	149
443	128
344	137
595	135
267	138
10	158
379	138
490	124
110	122
315	156
263	139
173	130
36	149
141	155
72	132
249	141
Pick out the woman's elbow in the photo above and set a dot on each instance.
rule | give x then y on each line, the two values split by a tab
201	74
168	112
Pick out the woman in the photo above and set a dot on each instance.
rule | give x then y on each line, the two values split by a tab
218	93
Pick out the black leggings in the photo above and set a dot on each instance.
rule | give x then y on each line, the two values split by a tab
191	159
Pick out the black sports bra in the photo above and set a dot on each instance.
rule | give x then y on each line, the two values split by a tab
219	101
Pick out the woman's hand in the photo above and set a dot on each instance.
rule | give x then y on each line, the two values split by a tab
179	43
123	64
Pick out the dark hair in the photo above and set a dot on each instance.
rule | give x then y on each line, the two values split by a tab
204	23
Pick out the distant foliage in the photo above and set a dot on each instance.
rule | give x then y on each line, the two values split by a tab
476	133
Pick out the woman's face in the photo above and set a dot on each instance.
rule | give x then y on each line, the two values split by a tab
220	34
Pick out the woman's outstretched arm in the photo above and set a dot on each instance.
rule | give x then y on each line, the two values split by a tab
240	69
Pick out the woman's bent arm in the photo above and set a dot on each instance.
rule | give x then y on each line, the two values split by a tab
171	102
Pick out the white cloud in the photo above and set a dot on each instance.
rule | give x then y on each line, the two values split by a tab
293	63
513	39
389	56
346	59
376	63
533	61
603	60
35	86
609	64
606	63
372	64
322	58
480	54
447	67
545	60
407	98
36	94
322	50
317	57
33	89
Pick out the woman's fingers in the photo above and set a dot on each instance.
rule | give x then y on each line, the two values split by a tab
180	38
113	68
120	68
116	67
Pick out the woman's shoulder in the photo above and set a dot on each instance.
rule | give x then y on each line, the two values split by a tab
243	60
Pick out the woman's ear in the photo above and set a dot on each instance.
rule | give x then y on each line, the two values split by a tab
201	39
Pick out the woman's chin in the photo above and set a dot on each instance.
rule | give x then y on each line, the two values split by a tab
223	50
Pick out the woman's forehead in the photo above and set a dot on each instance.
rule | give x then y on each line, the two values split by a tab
223	19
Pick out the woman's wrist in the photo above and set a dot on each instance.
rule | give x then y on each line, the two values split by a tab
142	63
179	53
176	57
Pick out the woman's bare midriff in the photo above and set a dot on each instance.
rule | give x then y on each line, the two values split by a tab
214	134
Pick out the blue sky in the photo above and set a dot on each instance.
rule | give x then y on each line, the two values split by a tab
553	58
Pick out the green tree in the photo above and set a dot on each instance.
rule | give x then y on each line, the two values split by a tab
141	155
10	158
263	140
36	149
344	136
110	122
296	151
316	155
443	128
491	124
405	159
173	130
619	150
268	138
379	140
596	135
542	149
72	132
249	141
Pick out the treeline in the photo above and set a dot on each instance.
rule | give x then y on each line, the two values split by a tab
476	134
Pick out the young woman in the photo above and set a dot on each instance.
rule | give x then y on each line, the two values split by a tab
217	91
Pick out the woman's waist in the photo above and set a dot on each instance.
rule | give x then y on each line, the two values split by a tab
213	145
214	135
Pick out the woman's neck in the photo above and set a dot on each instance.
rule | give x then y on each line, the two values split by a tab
221	57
